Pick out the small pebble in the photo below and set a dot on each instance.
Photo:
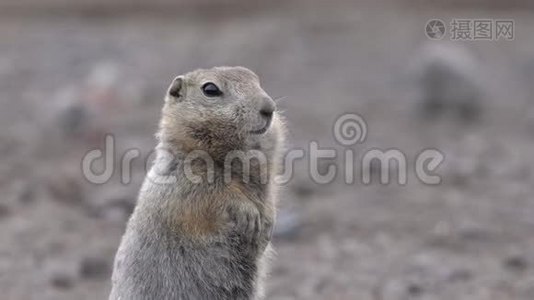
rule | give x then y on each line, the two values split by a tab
287	225
303	190
516	263
415	290
94	268
62	281
460	276
65	189
4	210
27	195
116	210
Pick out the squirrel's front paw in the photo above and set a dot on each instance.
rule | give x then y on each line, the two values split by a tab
250	229
245	229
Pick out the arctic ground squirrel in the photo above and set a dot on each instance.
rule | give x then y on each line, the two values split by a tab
201	228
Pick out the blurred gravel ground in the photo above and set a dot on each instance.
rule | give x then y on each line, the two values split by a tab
66	81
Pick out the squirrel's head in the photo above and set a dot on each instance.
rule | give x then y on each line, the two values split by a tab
218	110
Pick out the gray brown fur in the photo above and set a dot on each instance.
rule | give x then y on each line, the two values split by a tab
207	240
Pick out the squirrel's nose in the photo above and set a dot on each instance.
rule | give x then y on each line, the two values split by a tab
267	108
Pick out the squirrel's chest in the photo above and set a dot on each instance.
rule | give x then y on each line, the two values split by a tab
235	215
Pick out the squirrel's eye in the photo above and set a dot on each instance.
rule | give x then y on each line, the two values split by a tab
211	90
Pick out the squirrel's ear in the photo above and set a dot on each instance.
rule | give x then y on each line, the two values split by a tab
175	91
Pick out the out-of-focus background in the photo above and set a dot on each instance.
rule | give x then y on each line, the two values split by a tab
73	71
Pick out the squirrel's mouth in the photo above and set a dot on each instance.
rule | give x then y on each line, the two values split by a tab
263	129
